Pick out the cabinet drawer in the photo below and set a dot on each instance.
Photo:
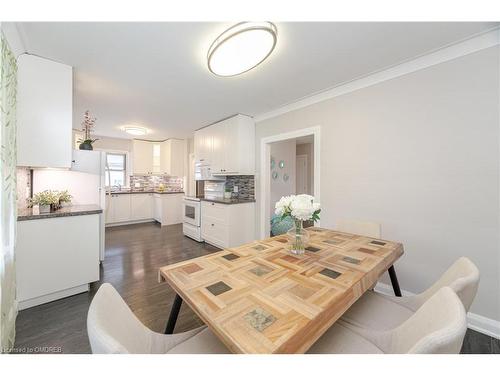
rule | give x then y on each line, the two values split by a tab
215	210
215	231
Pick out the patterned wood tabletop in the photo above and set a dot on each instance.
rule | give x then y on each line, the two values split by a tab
259	298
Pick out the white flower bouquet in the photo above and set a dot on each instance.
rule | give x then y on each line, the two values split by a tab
300	208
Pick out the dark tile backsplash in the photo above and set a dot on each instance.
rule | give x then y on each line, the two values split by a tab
246	186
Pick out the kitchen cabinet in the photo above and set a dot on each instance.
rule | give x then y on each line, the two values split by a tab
44	113
157	209
131	208
118	208
56	257
227	146
121	203
146	157
227	225
173	157
141	206
168	208
156	158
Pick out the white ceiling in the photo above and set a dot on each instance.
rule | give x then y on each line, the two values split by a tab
155	74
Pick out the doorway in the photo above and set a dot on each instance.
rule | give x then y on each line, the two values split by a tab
289	165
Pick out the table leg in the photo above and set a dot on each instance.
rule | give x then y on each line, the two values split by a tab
174	312
394	281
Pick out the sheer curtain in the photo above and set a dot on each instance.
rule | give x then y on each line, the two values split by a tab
8	210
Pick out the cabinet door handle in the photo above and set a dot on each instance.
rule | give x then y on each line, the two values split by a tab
213	224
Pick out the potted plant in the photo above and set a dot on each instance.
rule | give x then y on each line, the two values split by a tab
87	127
64	198
300	208
46	200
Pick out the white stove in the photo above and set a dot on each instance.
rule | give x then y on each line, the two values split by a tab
191	225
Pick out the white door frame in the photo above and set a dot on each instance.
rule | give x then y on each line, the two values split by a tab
265	171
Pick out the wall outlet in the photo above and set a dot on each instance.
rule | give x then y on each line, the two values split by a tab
235	189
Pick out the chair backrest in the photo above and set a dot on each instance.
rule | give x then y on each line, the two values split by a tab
112	327
462	277
437	327
363	228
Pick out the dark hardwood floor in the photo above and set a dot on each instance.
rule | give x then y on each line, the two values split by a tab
133	255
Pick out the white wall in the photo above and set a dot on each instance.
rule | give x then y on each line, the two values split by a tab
419	154
282	151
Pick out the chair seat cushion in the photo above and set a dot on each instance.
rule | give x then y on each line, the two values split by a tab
341	340
376	312
204	342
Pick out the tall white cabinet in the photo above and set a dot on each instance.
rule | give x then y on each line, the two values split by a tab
227	146
44	113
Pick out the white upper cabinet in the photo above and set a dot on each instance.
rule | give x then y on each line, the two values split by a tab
155	158
173	157
203	145
44	113
227	146
143	157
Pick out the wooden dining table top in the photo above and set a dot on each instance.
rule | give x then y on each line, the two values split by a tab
260	298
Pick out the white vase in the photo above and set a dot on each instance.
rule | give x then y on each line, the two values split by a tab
44	208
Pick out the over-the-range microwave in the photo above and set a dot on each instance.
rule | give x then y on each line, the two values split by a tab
202	171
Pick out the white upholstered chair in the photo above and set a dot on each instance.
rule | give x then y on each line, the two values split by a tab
377	311
438	326
113	328
363	228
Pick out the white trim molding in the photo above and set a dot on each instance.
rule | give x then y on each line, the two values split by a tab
265	155
476	322
477	43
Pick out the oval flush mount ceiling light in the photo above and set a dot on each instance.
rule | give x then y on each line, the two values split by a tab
241	48
135	130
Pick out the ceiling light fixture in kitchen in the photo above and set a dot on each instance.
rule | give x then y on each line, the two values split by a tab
135	130
241	48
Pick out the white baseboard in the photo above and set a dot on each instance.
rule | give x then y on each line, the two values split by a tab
476	322
26	304
129	222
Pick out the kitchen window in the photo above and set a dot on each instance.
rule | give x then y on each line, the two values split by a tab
116	169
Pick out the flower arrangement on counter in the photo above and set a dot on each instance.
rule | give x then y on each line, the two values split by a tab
300	208
49	200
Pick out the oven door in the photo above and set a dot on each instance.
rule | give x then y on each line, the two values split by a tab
191	212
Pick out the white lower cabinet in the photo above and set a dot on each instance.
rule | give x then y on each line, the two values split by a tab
168	208
227	225
139	207
118	208
56	257
157	209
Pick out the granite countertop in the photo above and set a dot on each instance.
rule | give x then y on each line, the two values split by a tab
77	210
228	201
145	192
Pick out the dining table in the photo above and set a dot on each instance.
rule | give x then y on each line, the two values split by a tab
261	298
